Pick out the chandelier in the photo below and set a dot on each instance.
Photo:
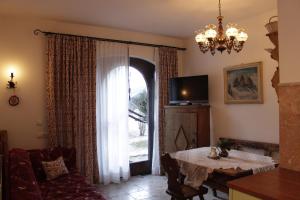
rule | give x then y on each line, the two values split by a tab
212	38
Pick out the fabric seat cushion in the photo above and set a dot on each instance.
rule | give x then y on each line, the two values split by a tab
71	186
188	192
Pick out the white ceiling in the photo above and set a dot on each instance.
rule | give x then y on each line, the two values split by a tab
168	17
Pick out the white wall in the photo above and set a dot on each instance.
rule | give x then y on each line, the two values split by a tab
289	40
26	123
258	122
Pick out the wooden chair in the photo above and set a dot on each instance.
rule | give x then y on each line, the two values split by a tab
176	188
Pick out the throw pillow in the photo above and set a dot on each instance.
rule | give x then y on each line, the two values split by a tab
37	156
54	169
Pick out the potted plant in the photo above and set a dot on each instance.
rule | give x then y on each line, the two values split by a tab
224	146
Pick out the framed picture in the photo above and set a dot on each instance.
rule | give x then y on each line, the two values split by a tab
243	84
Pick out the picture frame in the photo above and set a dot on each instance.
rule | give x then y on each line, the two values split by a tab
243	84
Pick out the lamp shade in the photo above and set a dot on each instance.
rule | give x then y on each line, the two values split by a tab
242	36
210	33
232	32
200	37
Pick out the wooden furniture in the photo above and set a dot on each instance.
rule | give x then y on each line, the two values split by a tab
278	184
4	164
26	181
176	188
199	169
186	127
219	178
236	195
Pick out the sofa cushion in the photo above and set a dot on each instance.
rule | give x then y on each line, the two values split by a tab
55	168
23	184
71	186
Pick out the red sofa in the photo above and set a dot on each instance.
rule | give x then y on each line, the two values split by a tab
27	180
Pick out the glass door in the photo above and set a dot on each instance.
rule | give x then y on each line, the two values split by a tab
140	122
138	117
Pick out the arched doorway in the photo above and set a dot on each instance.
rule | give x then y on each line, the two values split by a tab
141	115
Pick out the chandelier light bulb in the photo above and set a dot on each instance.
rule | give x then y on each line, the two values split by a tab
200	37
232	32
210	33
242	36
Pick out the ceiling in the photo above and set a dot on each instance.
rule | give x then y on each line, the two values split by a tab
178	18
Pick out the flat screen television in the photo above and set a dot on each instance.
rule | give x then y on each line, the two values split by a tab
192	89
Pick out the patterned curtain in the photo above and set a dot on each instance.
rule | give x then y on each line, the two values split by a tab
71	99
168	68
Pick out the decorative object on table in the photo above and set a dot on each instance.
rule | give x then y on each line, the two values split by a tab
213	153
243	84
272	28
14	100
224	146
11	83
213	37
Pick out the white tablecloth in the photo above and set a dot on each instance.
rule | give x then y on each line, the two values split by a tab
196	165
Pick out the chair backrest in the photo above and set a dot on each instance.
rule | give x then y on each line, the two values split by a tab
172	169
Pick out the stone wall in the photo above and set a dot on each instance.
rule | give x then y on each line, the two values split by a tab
289	112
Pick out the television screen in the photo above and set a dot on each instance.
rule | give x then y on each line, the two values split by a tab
193	89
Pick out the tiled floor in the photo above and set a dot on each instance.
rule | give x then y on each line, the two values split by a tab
144	188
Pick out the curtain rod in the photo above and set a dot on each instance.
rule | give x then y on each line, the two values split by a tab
37	31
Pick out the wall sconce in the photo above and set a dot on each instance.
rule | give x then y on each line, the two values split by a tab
11	84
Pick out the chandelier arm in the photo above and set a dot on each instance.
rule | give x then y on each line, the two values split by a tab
203	47
212	46
213	52
206	48
229	44
238	46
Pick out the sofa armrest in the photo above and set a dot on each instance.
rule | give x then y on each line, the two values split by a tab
23	184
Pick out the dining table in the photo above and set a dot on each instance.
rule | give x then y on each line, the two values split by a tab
199	168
